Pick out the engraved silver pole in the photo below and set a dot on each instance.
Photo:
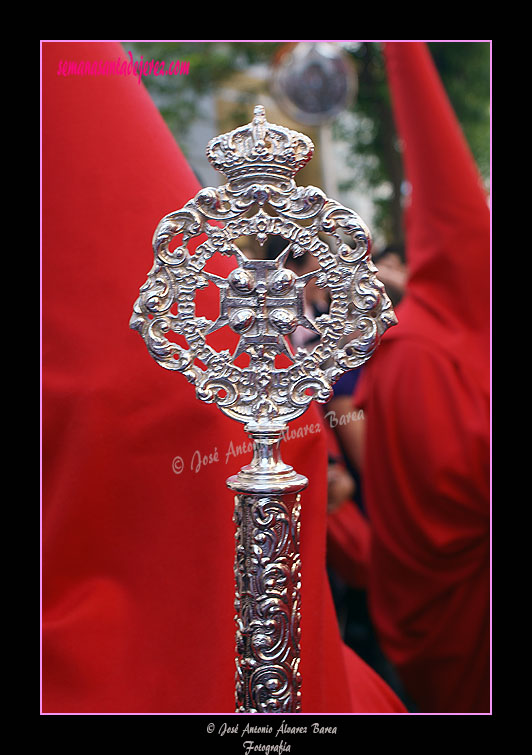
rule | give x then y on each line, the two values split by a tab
268	578
263	301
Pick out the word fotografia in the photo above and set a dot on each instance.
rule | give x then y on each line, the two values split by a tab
279	747
120	67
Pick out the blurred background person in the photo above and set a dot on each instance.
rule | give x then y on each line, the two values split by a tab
348	525
425	447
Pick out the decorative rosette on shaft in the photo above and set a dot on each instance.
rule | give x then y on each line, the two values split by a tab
263	302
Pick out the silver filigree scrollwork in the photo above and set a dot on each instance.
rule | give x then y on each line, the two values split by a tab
263	302
268	578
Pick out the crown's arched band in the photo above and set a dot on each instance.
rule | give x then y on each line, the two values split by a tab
261	149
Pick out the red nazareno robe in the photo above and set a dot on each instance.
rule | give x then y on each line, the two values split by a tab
137	530
426	399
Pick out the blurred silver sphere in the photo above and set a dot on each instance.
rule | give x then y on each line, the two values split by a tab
312	82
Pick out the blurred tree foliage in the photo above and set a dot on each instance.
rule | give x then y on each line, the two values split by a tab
212	64
375	158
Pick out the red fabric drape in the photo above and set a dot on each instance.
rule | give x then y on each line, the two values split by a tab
349	544
426	400
137	550
348	531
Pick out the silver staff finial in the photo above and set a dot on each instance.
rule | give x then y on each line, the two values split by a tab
263	302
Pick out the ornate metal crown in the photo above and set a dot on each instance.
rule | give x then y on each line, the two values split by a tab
258	148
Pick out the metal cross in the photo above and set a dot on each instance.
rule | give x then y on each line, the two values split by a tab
263	302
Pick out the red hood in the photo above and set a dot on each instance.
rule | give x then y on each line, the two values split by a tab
447	219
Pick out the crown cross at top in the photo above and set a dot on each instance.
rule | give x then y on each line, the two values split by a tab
260	150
